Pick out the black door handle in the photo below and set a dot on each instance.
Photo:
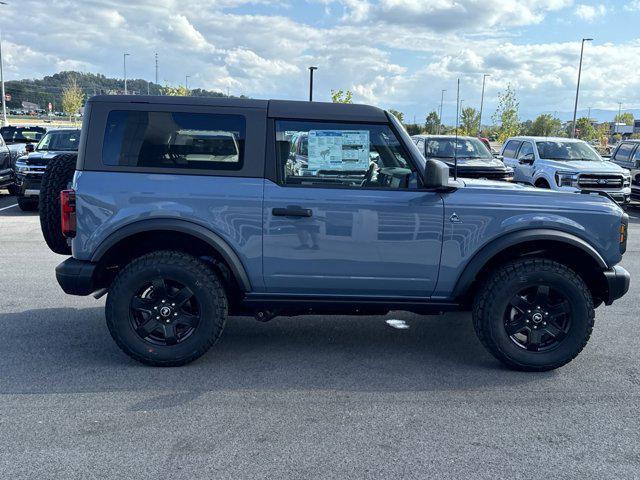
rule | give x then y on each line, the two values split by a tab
292	212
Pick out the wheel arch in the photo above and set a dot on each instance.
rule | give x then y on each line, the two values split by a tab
555	244
161	233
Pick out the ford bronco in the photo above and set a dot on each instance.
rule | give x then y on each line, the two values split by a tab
183	211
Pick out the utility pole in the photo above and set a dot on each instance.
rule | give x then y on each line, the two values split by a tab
186	81
311	69
124	63
4	98
589	114
484	78
441	102
619	110
156	68
575	108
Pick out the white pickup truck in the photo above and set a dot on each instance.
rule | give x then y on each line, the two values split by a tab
565	164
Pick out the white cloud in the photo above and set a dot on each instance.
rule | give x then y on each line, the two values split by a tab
393	53
590	13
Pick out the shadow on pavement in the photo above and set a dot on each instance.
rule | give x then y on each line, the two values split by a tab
70	350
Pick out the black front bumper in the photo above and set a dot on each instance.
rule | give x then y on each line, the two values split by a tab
618	280
77	277
29	185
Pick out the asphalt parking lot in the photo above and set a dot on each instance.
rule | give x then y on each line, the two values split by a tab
306	397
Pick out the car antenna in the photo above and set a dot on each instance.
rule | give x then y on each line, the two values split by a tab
455	146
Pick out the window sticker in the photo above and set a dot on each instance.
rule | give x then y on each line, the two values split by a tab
338	150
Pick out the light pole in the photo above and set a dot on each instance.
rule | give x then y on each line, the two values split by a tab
484	78
575	108
4	99
124	63
186	81
311	69
441	102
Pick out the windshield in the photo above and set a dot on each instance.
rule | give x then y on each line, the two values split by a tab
60	141
464	148
567	151
21	134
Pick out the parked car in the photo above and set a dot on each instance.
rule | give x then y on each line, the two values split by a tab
475	160
627	155
178	239
7	179
565	164
18	138
29	168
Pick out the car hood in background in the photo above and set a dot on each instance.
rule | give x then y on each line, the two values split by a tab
473	162
585	166
41	158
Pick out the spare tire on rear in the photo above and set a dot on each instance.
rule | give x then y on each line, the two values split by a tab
56	177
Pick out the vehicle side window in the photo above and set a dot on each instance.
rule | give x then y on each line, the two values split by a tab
623	152
176	140
341	155
525	149
420	145
636	155
511	148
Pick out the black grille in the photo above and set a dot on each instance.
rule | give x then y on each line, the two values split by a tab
590	180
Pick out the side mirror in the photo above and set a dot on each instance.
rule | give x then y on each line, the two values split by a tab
436	174
527	159
29	147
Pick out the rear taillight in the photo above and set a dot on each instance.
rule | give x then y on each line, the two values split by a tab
68	213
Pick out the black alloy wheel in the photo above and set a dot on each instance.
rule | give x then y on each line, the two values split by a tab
538	318
164	312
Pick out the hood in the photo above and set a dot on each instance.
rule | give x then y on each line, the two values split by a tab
582	166
40	158
492	163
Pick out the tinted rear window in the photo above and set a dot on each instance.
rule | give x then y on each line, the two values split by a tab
511	148
197	141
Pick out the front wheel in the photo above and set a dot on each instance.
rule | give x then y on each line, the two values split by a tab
166	308
534	314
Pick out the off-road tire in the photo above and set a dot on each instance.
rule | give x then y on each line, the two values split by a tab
28	204
503	283
56	177
189	271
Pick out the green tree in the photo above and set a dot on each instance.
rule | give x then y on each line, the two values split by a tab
413	129
585	129
432	123
469	119
341	96
506	115
398	114
72	99
546	126
179	91
626	118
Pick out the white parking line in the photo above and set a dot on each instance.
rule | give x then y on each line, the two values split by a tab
7	208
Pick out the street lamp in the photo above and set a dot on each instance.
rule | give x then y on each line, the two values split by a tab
575	108
311	69
441	101
124	62
484	78
4	100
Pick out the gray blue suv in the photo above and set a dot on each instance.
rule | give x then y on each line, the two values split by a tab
183	211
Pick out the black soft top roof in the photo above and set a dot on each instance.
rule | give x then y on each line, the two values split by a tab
274	108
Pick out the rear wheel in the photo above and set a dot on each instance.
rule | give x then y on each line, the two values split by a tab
28	204
56	177
166	308
534	314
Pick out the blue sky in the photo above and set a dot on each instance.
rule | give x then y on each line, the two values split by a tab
392	53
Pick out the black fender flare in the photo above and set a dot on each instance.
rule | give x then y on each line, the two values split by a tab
183	226
491	249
